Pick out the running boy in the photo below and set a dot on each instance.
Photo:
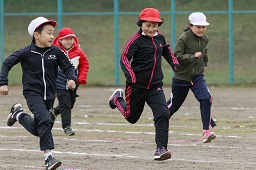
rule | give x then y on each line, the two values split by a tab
39	62
191	51
68	42
141	63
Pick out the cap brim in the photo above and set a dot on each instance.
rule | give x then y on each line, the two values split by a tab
67	36
151	19
200	23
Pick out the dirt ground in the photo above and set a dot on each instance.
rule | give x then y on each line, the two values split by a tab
105	141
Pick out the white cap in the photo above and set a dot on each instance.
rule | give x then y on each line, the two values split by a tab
35	23
198	18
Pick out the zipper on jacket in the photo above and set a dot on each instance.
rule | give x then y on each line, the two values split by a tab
42	57
152	73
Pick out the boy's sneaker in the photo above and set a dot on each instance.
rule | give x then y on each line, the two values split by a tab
11	119
208	136
162	154
116	93
51	163
68	131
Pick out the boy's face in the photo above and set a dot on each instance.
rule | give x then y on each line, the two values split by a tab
198	30
149	28
45	39
67	43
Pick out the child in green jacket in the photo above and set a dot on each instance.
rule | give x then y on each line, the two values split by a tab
191	52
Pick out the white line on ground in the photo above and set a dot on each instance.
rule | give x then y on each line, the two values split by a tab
127	132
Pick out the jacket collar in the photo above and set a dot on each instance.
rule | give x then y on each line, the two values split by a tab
191	33
142	33
33	46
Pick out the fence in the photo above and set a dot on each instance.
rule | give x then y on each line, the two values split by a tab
104	26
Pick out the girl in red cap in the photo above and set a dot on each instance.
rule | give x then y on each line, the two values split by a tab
68	42
141	63
191	51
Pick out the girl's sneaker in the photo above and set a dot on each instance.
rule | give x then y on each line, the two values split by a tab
162	154
116	93
208	136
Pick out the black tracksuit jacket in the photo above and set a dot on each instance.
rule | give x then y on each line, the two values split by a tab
145	54
40	68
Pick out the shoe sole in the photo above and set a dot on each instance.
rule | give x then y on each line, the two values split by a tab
9	123
55	166
211	137
70	134
165	156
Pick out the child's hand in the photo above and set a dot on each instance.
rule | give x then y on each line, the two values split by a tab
4	90
71	84
175	67
198	54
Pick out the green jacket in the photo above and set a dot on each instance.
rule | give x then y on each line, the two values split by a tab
185	48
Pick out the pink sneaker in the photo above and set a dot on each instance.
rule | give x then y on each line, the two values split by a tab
208	136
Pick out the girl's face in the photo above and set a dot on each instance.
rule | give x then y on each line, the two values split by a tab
67	43
149	28
198	30
45	38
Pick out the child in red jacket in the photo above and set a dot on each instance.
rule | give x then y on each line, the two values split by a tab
68	42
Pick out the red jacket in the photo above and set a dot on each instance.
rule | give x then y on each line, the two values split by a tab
78	58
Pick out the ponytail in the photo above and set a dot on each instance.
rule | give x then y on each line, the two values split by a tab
188	27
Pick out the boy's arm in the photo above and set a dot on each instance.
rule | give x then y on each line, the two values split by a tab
8	63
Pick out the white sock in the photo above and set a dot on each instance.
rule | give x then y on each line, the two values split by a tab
18	115
47	154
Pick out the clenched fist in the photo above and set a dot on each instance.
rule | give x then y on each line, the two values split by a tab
4	90
71	84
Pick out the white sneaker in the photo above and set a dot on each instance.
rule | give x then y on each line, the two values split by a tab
116	93
208	136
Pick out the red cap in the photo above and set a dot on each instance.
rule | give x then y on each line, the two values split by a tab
150	14
66	32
